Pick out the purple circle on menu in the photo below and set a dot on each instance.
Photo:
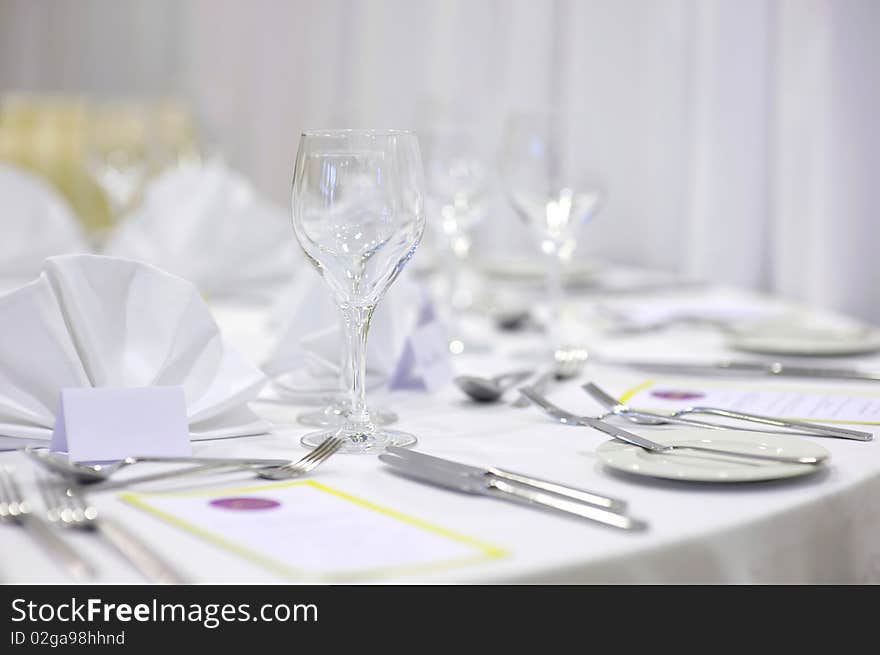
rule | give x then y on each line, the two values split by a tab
245	503
667	394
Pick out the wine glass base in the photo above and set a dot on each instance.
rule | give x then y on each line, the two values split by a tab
334	416
357	442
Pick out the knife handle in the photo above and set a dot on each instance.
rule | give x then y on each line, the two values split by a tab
524	495
580	495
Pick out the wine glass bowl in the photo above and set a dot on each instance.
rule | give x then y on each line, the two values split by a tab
458	198
358	209
358	214
552	190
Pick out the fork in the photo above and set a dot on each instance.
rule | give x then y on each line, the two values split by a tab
67	508
568	363
567	418
15	509
283	472
617	408
296	469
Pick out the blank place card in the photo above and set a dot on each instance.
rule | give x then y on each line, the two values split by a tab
103	424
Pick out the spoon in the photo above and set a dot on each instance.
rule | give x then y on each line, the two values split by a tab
516	320
488	390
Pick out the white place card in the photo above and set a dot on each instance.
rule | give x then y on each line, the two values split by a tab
425	362
103	424
668	395
304	530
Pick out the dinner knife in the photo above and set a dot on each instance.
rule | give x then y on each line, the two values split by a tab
732	367
581	495
510	491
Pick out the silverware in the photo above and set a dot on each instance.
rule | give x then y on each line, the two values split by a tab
15	509
650	418
494	487
516	321
296	469
488	390
732	367
580	495
567	363
69	509
84	473
568	418
287	470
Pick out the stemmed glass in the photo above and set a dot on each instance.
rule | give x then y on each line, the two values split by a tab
457	202
358	213
119	153
339	407
550	188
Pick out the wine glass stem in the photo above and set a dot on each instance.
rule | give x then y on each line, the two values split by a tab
357	323
554	299
455	261
345	355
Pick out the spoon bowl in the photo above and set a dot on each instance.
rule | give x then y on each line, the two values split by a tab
488	390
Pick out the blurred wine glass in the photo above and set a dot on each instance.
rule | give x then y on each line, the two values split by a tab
458	190
119	152
551	189
358	213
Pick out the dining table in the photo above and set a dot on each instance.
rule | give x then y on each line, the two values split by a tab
818	528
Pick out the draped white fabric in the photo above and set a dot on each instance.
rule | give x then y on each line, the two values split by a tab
739	139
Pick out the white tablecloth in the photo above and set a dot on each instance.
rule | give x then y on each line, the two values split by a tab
820	528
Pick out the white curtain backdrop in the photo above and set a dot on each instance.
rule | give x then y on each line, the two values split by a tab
739	138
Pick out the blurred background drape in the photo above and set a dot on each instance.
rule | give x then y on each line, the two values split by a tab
739	139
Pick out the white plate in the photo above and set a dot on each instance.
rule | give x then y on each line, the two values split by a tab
695	466
809	341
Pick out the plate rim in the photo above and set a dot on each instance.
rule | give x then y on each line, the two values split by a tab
795	470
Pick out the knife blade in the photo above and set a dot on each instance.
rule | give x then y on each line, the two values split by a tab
581	495
731	367
488	486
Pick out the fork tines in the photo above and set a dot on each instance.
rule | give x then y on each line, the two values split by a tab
318	455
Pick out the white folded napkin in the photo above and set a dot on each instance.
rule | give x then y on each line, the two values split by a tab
208	225
35	223
93	321
310	336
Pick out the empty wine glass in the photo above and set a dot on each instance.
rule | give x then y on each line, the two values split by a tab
458	182
119	153
551	189
358	213
336	411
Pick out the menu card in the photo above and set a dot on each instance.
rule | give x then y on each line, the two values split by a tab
304	530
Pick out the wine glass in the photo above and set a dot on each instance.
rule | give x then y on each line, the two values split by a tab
458	181
335	412
553	192
119	153
358	213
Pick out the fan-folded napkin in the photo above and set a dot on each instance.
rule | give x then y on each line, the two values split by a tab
407	345
208	225
94	321
35	223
